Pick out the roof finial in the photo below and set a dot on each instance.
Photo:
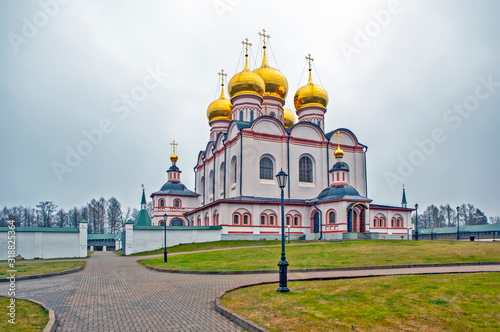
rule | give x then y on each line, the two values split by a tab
174	157
403	200
310	60
264	36
142	187
221	74
338	153
247	44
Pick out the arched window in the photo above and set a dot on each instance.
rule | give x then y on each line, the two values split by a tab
392	222
176	222
162	202
382	222
177	203
236	219
246	219
273	114
251	115
296	221
288	218
162	223
233	170
331	217
266	168
375	222
199	221
271	220
305	169
262	219
241	115
207	220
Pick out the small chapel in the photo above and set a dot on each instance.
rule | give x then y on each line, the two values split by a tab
252	138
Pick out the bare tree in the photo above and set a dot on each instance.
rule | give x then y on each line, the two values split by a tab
74	217
61	218
495	220
46	213
115	216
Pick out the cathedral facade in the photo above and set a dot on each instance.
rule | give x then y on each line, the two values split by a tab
252	138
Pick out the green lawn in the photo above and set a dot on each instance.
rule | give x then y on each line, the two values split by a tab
29	316
188	247
41	267
449	302
334	254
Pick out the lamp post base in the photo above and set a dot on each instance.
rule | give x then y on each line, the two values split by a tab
165	256
283	288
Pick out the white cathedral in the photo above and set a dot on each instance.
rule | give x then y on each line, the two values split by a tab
252	138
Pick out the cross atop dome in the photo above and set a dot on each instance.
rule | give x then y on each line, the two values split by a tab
310	60
247	44
264	36
338	153
221	74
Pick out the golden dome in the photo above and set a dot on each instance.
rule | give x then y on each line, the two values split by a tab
276	84
289	118
339	153
174	158
219	109
246	82
310	95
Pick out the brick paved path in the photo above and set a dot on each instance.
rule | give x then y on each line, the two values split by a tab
115	293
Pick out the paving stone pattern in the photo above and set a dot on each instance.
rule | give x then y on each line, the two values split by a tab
115	293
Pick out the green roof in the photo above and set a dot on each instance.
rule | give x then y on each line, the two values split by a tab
42	229
103	236
403	201
463	229
143	200
143	219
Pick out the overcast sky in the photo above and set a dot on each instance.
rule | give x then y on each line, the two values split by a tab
416	81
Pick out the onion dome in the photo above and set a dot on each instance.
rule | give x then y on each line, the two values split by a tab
219	109
310	94
339	153
174	158
289	118
276	84
246	82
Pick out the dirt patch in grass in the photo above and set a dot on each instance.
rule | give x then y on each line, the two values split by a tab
29	316
449	302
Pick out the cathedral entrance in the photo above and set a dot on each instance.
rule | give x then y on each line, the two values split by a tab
356	217
316	222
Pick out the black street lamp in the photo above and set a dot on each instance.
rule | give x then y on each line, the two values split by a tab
458	223
165	247
282	177
416	221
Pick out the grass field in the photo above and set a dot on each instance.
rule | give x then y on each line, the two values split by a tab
449	302
335	254
41	267
29	316
188	247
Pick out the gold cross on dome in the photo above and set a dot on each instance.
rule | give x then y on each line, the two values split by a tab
246	43
309	59
174	145
338	135
264	36
222	74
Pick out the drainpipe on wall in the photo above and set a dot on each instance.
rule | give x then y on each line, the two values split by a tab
241	162
213	180
320	221
288	162
225	166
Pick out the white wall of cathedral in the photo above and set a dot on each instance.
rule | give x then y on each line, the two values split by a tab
246	107
391	222
266	139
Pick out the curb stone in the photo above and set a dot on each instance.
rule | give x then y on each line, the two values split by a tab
38	276
52	323
355	268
